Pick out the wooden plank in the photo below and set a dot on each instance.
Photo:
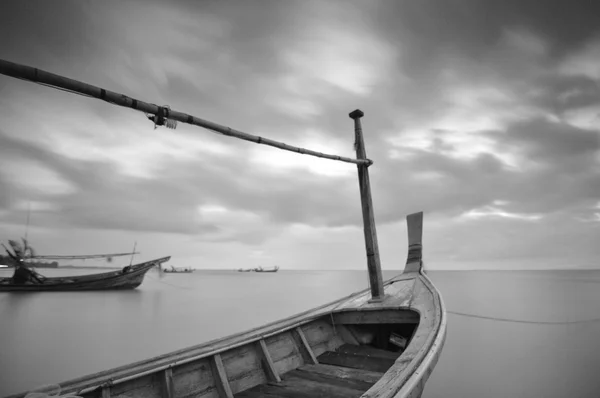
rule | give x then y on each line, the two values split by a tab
244	367
221	382
297	387
194	379
168	383
345	334
343	373
368	351
267	362
282	346
305	347
106	392
356	361
151	385
359	385
370	231
376	317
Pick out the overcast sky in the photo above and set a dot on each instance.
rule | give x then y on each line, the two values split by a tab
483	114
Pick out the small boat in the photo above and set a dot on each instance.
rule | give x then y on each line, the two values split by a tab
381	342
245	270
129	277
174	270
261	269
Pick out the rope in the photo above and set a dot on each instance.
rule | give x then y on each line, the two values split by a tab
492	318
170	284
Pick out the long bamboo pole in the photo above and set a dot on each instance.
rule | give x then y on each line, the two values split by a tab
371	245
39	76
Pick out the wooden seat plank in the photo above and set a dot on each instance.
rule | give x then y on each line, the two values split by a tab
332	381
298	387
343	373
368	351
356	361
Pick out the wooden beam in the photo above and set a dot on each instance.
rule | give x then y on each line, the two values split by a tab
414	261
375	317
168	383
371	245
220	376
346	335
56	81
105	391
267	362
308	354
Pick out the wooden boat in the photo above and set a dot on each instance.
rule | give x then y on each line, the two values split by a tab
174	270
128	277
261	269
381	342
245	270
352	347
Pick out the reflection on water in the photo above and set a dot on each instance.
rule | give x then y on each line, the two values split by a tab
52	337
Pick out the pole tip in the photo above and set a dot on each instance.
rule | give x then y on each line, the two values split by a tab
357	114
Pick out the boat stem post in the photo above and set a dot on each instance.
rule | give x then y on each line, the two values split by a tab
372	248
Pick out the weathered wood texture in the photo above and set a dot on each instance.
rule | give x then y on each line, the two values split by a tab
195	379
244	367
304	347
316	381
376	317
40	76
370	231
343	373
267	362
168	390
321	336
220	377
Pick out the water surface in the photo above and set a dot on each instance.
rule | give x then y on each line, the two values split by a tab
52	337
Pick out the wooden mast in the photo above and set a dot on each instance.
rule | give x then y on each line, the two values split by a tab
372	248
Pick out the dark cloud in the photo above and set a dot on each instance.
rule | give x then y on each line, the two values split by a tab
551	142
471	27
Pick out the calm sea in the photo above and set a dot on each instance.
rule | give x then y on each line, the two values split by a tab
52	337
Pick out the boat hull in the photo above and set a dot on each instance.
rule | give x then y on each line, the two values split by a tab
333	350
129	277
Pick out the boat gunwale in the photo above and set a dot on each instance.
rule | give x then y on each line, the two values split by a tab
430	350
426	365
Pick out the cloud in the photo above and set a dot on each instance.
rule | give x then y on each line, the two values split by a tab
485	116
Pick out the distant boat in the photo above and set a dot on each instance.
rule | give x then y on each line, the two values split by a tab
25	279
129	277
174	270
261	269
245	270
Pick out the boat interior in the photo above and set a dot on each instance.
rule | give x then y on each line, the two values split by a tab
343	358
341	354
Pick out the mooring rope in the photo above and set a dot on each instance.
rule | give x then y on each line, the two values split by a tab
493	318
170	284
501	319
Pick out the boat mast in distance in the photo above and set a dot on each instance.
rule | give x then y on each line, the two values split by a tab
372	248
